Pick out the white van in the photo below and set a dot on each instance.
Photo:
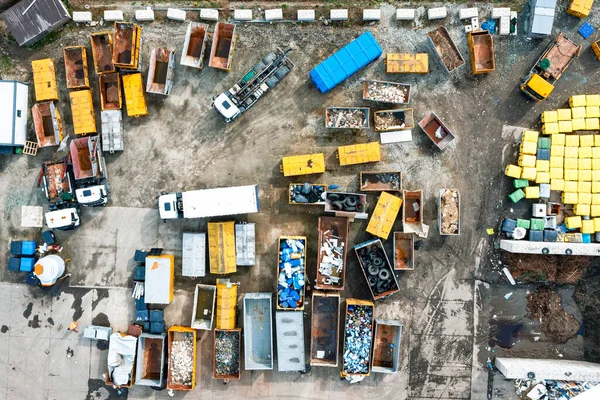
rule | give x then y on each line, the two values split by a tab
64	219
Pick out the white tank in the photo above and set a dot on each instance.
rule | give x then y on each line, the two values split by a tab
48	269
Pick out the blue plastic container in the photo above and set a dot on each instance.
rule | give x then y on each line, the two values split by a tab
346	62
536	236
13	264
157	327
26	264
586	30
543	154
156	315
140	304
550	235
22	247
139	273
586	238
141	315
509	225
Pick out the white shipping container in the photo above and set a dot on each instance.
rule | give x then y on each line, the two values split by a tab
306	15
242	15
338	15
158	287
113	15
468	13
193	255
437	13
396	136
497	13
405	14
176	14
372	15
209	14
273	15
82	16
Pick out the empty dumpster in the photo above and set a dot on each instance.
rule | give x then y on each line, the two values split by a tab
76	67
193	254
258	331
386	346
110	91
182	358
150	363
404	251
227	349
161	71
290	340
102	48
204	306
345	62
325	329
194	45
223	44
47	123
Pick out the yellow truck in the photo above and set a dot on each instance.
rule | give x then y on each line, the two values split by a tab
384	215
135	97
127	45
303	165
76	68
221	247
359	153
82	109
548	69
226	304
44	80
404	63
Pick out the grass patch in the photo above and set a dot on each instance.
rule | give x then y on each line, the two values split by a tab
5	63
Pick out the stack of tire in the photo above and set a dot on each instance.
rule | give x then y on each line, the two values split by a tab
346	202
376	269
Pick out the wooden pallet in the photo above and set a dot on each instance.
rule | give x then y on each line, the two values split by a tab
30	148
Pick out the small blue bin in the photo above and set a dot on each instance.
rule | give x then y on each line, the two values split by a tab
586	30
543	154
140	304
550	235
156	315
26	264
141	315
586	238
536	236
509	225
14	264
146	326
140	256
157	327
139	273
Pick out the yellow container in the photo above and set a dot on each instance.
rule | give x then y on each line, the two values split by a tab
584	175
578	124
82	109
571	186
513	171
403	63
597	224
587	226
532	192
584	187
592	112
384	215
362	153
550	128
557	151
226	304
529	173
592	124
595	175
558	139
571	174
585	163
557	184
530	136
596	164
596	198
549	116
542	177
584	198
571	141
580	8
595	210
527	160
585	152
570	163
592	100
542	165
135	96
565	126
596	49
556	162
573	222
577	100
221	247
570	197
564	114
596	141
596	187
581	209
44	80
571	152
586	140
303	165
528	148
578	112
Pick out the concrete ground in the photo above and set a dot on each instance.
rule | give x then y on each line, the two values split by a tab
184	145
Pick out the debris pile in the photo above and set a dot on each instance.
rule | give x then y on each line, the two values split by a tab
391	180
346	202
377	270
227	354
390	120
387	93
307	194
346	118
331	255
359	321
290	284
558	325
182	360
551	389
449	212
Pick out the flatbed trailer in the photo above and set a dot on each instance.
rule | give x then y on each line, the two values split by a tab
325	329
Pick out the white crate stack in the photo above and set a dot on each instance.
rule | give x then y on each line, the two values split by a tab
306	15
83	17
274	15
146	15
209	14
405	14
468	13
242	15
176	14
113	15
372	15
339	14
437	13
504	26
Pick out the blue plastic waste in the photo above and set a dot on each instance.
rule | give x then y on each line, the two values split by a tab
291	303
489	25
332	187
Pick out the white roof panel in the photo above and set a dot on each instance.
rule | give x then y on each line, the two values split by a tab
221	201
14	98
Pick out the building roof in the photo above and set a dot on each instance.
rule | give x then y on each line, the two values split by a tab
14	98
31	20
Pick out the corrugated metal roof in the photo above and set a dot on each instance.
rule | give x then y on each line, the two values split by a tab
31	20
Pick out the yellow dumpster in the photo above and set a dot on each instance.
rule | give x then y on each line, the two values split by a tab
585	152
557	184
359	153
403	63
44	80
303	165
530	136
580	8
571	140
529	173
592	112
578	124
586	141
384	215
135	97
226	304
82	109
571	186
596	49
570	174
592	124
221	247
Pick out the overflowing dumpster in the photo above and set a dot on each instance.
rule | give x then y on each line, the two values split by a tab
291	272
120	370
227	347
357	338
331	259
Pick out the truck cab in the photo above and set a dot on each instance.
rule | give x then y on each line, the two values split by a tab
169	206
226	108
93	196
63	219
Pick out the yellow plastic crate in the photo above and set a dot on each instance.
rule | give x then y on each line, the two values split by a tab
528	148
586	140
570	174
525	160
595	210
592	112
403	63
570	197
584	187
530	136
578	112
577	100
578	124
587	226
303	165
513	171
592	100
573	222
542	177
584	175
571	140
44	80
570	163
529	173
571	186
550	128
585	152
557	184
584	198
564	114
596	164
580	8
592	124
384	215
532	192
581	209
571	152
584	163
556	162
596	187
597	224
556	173
221	247
135	96
362	153
557	151
542	165
596	199
597	140
595	175
557	139
549	116
82	110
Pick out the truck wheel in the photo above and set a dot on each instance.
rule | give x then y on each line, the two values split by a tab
545	250
351	201
568	252
378	262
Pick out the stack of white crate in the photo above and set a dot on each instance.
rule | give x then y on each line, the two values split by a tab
274	15
372	15
306	15
209	14
405	14
176	14
339	15
503	14
82	17
437	13
113	15
144	15
242	15
468	13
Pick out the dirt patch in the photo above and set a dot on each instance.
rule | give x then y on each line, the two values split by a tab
539	268
558	325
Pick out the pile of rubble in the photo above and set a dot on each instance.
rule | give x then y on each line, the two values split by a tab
359	321
390	120
182	360
384	92
449	211
346	118
228	352
391	179
332	260
307	194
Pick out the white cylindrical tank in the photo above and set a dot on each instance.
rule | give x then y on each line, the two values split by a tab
48	269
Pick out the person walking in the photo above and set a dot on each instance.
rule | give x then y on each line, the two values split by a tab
73	326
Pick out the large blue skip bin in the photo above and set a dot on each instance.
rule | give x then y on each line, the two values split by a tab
345	62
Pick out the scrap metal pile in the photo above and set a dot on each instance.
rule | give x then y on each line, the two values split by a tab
332	260
290	286
182	360
386	93
357	347
227	352
551	390
346	118
306	193
391	179
449	212
389	120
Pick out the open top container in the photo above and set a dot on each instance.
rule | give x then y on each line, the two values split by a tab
404	251
161	72
412	212
223	44
349	205
449	212
347	117
258	331
291	270
445	48
150	364
204	305
387	92
227	342
312	197
376	268
109	85
48	124
182	347
394	120
325	329
290	340
389	181
76	67
481	49
194	46
331	259
386	346
102	47
358	338
127	45
436	130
